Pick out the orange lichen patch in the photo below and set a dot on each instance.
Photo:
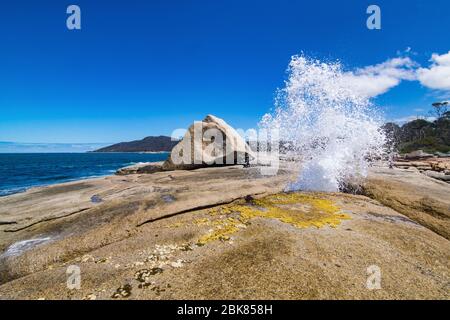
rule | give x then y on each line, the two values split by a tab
299	210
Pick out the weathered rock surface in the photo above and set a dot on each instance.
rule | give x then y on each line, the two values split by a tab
146	167
222	146
75	224
418	154
438	175
442	155
437	168
435	164
217	233
421	198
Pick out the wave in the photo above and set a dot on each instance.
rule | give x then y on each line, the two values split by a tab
334	129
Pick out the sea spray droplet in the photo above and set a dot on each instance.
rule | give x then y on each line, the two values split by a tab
328	124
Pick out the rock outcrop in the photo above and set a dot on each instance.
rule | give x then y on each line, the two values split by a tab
146	167
418	154
211	142
170	235
437	175
437	167
417	196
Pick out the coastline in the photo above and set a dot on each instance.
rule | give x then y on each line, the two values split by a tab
43	186
22	171
123	224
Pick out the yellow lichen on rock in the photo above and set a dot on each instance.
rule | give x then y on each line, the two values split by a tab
299	210
202	221
222	231
175	225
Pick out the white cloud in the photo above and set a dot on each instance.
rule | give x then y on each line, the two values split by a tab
437	76
372	81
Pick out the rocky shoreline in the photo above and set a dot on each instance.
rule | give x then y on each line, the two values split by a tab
177	230
218	233
433	167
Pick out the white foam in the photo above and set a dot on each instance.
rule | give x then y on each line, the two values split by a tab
334	129
19	247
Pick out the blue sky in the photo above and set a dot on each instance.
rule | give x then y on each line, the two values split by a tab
139	68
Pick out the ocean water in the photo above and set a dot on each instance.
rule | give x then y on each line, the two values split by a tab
20	171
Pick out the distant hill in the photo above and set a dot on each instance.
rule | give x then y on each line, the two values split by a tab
149	144
421	134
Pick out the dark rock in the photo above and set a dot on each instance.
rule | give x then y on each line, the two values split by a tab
147	167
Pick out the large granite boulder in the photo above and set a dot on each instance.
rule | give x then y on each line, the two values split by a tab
211	142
